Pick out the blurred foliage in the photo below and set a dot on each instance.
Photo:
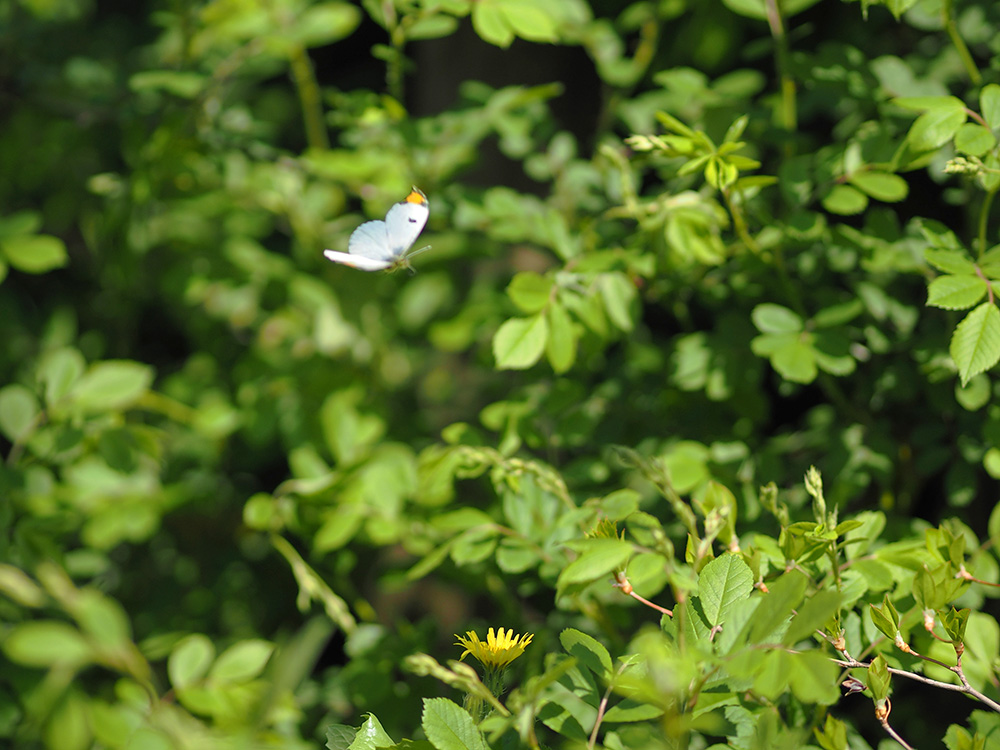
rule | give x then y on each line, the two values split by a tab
682	252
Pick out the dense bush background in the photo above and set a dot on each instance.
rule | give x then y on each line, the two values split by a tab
682	250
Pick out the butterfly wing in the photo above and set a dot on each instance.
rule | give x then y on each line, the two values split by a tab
361	262
370	240
405	221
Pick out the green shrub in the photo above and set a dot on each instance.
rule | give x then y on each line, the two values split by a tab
690	403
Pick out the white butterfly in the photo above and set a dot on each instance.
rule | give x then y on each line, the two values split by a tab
377	245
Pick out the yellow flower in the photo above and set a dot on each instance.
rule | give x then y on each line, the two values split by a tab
498	650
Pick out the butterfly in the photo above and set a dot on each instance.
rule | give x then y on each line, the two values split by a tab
378	245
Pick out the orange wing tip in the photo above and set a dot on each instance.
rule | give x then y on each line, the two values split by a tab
416	196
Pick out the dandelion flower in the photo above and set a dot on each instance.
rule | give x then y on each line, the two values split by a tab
498	650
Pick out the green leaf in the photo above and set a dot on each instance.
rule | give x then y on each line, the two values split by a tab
490	23
242	662
956	292
931	103
993	526
878	677
950	261
111	385
348	433
449	727
19	412
771	318
371	736
834	734
598	558
975	394
975	140
520	342
955	622
326	23
183	84
883	620
190	660
758	8
529	19
786	594
793	358
560	346
618	294
925	590
845	200
588	651
936	127
890	188
530	291
989	105
723	582
16	585
814	678
46	643
37	253
812	616
340	736
975	345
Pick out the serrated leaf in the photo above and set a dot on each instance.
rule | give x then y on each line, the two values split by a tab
520	342
339	736
956	291
588	651
449	727
975	345
723	582
371	736
890	188
950	261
